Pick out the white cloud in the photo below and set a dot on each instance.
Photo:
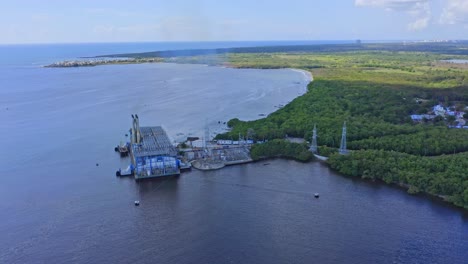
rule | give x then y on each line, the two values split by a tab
419	24
404	5
103	29
42	17
109	12
456	12
418	9
136	31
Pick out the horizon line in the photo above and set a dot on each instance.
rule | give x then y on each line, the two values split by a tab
233	41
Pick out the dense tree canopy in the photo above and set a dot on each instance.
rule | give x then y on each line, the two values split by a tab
280	148
444	175
375	93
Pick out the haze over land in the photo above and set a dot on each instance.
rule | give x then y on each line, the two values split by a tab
29	21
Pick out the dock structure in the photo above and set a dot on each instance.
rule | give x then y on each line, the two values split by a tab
152	153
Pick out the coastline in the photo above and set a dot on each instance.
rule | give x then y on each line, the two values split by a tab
307	74
436	198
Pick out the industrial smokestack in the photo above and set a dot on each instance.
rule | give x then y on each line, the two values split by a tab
138	129
134	130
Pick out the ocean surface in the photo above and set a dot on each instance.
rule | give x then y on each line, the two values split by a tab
58	206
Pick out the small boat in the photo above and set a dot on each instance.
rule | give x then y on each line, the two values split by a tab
125	173
316	195
185	166
122	149
137	203
264	164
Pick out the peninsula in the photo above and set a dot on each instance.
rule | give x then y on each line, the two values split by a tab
90	62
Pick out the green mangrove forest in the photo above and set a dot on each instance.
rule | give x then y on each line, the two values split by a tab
375	92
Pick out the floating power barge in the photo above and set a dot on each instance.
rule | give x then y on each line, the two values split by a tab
151	152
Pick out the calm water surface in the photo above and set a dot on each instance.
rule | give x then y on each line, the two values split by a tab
458	61
57	206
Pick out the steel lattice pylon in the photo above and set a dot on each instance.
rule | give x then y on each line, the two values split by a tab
343	149
314	147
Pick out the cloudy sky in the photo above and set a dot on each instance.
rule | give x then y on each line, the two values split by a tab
46	21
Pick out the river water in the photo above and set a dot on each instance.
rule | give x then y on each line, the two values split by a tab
57	206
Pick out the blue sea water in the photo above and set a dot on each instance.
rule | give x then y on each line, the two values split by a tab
57	206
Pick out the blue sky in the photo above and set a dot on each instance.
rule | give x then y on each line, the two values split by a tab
51	21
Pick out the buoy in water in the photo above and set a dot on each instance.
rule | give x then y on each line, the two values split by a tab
316	195
137	203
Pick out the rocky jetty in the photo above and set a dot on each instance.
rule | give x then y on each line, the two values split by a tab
202	164
101	61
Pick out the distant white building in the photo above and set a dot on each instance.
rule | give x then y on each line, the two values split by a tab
439	110
224	142
421	117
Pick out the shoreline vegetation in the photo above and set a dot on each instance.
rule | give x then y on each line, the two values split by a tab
279	148
375	88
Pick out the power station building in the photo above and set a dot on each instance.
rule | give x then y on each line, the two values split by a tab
151	151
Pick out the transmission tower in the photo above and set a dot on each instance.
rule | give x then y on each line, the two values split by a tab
343	150
206	138
313	147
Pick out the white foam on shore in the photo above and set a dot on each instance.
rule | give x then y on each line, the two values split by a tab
308	77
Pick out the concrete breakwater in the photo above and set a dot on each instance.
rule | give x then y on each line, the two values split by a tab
207	164
216	157
216	164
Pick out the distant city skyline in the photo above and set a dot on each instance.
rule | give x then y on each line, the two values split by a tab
65	21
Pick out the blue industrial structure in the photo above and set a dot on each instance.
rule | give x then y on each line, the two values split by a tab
151	152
